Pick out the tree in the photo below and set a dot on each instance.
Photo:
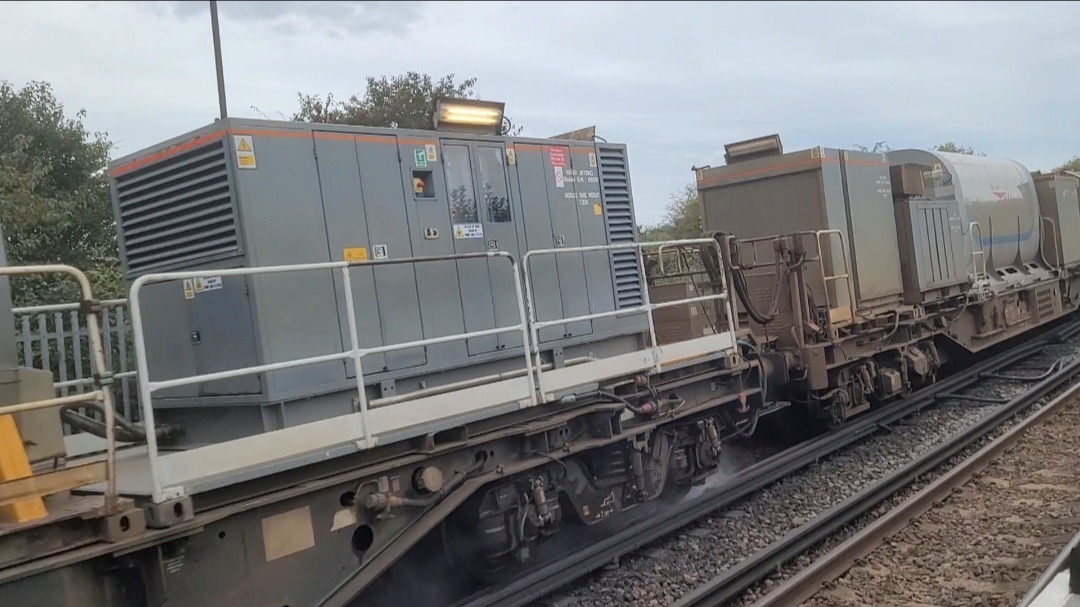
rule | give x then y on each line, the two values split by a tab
879	148
1072	164
954	148
405	101
54	195
682	218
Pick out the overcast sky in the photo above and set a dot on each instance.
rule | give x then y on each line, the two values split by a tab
673	81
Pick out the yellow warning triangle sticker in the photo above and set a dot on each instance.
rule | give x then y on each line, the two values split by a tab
243	147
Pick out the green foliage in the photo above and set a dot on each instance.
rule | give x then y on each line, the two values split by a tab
54	195
681	220
1072	164
405	101
955	148
879	148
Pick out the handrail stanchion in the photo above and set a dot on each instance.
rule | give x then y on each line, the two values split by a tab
354	343
523	320
648	308
97	352
145	385
533	322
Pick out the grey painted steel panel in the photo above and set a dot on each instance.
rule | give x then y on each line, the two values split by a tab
473	275
167	322
562	198
347	226
593	231
436	282
1058	202
540	234
226	338
388	226
283	218
932	247
868	193
500	218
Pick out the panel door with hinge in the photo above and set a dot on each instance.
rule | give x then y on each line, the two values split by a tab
498	216
566	230
584	174
468	237
223	336
388	233
429	222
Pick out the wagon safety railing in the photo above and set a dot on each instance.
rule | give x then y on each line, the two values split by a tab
646	307
102	380
148	386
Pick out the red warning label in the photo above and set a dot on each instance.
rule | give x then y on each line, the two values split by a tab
558	157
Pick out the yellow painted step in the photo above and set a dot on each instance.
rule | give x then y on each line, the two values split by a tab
13	465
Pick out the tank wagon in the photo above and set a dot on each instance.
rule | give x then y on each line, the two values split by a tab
859	274
352	339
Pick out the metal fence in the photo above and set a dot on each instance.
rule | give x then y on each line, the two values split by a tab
54	338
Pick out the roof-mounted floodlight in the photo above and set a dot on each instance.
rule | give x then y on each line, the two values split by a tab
469	116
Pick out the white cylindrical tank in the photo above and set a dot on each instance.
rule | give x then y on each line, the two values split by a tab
998	194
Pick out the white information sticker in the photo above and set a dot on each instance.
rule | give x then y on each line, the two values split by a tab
206	283
468	230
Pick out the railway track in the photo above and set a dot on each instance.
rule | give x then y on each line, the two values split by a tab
977	533
963	387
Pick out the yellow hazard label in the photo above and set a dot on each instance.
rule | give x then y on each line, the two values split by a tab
189	289
596	210
354	254
245	151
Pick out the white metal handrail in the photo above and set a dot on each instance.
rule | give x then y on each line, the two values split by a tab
1056	264
827	278
103	393
647	306
978	257
147	386
64	307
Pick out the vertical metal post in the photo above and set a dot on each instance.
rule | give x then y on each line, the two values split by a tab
532	326
217	60
146	390
648	304
524	321
354	342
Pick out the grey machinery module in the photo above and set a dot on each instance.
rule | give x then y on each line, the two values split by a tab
253	193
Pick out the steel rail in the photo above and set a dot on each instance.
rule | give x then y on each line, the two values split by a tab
549	577
807	582
735	580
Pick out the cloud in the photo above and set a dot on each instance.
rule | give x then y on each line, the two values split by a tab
674	81
295	18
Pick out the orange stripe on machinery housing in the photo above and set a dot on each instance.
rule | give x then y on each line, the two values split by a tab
209	137
768	169
536	147
172	151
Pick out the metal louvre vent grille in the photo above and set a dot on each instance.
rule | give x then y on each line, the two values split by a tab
619	220
178	210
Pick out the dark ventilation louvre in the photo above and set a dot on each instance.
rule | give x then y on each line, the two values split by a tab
178	210
619	217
